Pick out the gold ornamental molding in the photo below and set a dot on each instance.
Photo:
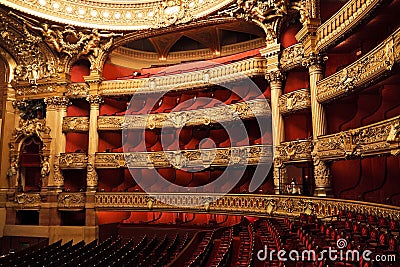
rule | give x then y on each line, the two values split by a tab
70	201
294	101
187	81
241	156
340	24
73	160
292	57
27	201
75	124
377	63
243	204
77	90
295	151
227	113
118	15
375	139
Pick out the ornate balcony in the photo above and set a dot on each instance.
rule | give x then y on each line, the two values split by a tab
377	63
295	151
70	201
350	15
243	110
27	201
73	160
294	101
292	57
248	155
75	124
375	139
185	81
244	204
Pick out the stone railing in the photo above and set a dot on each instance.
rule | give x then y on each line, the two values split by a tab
365	70
350	15
293	101
226	113
295	151
75	124
246	155
188	80
375	139
292	57
71	201
243	204
28	200
73	160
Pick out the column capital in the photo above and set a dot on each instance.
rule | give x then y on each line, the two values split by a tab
314	61
94	78
57	102
275	76
95	99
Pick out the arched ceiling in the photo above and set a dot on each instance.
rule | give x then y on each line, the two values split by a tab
118	14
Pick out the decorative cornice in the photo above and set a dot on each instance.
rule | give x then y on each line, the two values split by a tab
248	155
187	81
77	90
374	65
295	151
375	139
243	204
339	25
294	101
118	15
71	201
227	113
28	200
292	57
75	124
73	160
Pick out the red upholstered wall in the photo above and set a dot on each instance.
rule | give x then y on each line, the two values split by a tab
75	180
112	72
76	142
288	37
79	108
296	80
298	126
80	69
337	62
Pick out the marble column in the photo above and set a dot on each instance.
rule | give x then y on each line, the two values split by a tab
322	177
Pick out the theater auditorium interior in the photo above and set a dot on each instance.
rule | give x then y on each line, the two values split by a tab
200	133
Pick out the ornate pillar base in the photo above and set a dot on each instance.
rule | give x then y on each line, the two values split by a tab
322	176
323	192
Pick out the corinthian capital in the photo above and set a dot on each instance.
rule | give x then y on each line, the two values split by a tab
314	60
275	76
95	99
57	101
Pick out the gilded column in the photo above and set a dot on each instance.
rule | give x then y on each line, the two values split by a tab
322	175
95	101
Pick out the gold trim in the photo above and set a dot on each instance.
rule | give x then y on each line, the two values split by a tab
243	110
292	57
294	101
375	64
75	124
73	161
295	151
375	139
246	155
71	201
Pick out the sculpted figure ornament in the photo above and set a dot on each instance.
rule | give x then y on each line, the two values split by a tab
45	171
394	131
12	170
31	127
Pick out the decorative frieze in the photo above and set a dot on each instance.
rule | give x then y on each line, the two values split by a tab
75	124
295	151
71	201
77	90
226	113
297	100
375	64
28	200
292	57
375	139
185	81
250	155
240	204
73	161
340	24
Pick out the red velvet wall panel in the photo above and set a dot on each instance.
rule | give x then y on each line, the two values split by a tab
76	142
109	140
75	180
79	108
110	180
345	177
297	126
340	112
336	62
111	106
80	69
112	72
296	80
288	37
104	217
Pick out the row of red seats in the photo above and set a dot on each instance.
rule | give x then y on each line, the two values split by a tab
222	257
200	255
246	248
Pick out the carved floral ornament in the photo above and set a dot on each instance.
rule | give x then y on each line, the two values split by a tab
299	150
32	127
71	200
294	101
28	199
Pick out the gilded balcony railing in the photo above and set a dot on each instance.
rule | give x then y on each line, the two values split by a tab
246	155
27	200
226	113
293	101
73	160
295	151
75	124
350	15
291	57
375	139
377	63
71	201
